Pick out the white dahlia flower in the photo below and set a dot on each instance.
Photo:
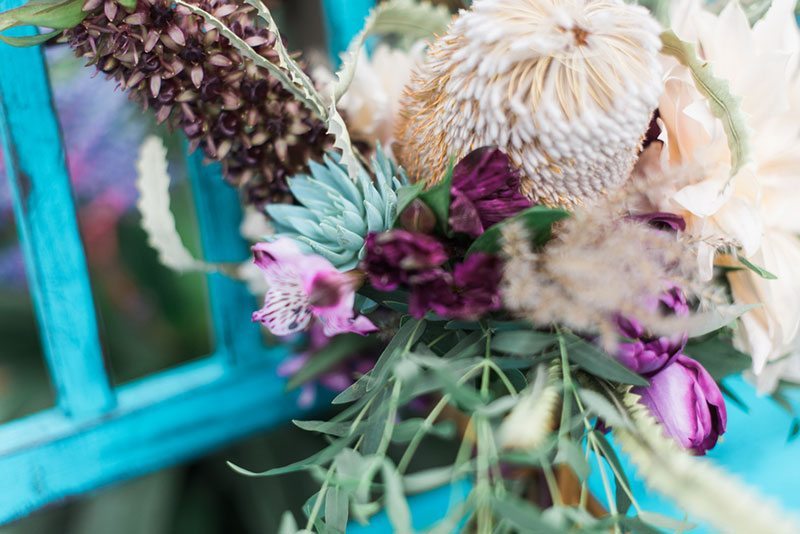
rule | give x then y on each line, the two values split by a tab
566	87
759	210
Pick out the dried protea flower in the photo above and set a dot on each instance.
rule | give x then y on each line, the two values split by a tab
565	87
193	78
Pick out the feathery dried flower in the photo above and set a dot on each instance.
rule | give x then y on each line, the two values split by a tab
172	62
567	88
597	267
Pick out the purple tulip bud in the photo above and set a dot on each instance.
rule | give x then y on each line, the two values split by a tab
687	401
418	217
644	353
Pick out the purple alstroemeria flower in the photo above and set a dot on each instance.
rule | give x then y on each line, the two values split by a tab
485	191
472	290
396	257
644	353
303	287
688	403
669	222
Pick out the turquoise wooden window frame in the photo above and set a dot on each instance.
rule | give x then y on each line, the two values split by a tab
97	434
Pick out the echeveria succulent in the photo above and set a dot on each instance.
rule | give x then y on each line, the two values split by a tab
336	213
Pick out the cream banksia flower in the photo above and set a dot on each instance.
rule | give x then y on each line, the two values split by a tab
566	87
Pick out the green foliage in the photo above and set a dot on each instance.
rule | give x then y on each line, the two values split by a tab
717	354
338	350
58	15
595	361
538	221
438	199
335	213
760	271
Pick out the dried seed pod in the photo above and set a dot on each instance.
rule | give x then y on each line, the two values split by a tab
192	78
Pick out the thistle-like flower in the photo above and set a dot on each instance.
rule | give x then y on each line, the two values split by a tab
191	77
566	88
336	214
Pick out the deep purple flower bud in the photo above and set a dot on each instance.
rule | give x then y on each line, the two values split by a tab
396	257
485	191
470	292
669	222
418	217
687	401
644	353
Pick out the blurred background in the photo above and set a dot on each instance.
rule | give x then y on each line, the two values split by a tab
150	318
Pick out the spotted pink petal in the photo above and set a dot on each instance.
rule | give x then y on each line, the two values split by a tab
286	309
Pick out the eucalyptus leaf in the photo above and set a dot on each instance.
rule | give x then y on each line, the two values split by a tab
523	342
288	524
406	336
429	479
396	505
610	454
718	355
595	361
760	271
522	514
405	430
336	510
321	458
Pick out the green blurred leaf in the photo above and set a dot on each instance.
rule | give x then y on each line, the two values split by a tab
405	430
522	514
406	195
760	271
58	15
438	200
429	479
623	501
718	355
336	510
603	408
396	505
538	220
29	40
321	458
523	342
597	362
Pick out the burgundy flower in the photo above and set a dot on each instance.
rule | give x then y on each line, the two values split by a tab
398	257
669	222
485	191
687	401
469	292
647	354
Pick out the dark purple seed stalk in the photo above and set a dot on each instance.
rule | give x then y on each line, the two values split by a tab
193	79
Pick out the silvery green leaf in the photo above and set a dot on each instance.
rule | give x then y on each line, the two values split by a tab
336	509
523	342
396	505
571	454
429	479
288	524
600	406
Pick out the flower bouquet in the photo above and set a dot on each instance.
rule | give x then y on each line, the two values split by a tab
544	229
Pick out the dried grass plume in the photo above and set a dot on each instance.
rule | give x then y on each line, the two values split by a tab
599	264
